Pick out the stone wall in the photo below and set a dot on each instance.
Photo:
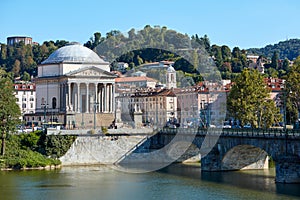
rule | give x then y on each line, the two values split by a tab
102	119
88	150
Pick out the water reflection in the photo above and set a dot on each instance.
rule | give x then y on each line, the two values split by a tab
173	182
256	180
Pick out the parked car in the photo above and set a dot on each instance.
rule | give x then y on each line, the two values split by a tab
226	125
248	125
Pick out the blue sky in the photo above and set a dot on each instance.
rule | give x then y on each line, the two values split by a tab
246	24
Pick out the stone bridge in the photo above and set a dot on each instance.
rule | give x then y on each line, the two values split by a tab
236	149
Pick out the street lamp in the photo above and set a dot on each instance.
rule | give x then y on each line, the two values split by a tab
44	106
95	108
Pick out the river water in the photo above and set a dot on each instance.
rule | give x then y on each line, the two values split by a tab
176	181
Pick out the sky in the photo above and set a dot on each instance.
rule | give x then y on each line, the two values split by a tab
242	23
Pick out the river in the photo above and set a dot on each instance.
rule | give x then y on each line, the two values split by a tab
176	181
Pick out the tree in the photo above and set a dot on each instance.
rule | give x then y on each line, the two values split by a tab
274	62
292	92
93	42
272	72
26	76
285	64
248	101
16	68
226	53
9	109
236	52
217	53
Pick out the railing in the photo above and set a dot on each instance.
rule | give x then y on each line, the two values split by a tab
229	132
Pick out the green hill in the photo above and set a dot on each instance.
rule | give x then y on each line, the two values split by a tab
286	49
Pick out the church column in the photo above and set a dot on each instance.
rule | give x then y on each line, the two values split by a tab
87	98
113	97
96	97
102	98
105	98
78	98
110	98
69	95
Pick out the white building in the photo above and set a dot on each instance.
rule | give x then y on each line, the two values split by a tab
72	84
26	97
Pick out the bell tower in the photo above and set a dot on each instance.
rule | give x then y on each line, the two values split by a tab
171	78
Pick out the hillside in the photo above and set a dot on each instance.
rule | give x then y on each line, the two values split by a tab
287	49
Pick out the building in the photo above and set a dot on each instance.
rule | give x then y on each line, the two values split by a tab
75	86
157	65
136	82
16	39
171	81
252	58
25	94
139	73
158	106
122	66
201	105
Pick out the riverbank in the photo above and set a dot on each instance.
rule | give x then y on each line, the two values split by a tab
48	167
34	151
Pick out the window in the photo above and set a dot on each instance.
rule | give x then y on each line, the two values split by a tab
31	99
17	99
24	105
24	92
31	92
31	105
53	102
23	99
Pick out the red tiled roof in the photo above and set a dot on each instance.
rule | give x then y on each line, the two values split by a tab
24	86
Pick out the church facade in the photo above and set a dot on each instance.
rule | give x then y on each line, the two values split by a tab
75	88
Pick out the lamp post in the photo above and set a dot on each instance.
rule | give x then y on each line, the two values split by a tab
44	105
95	108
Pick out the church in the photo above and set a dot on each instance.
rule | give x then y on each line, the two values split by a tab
75	88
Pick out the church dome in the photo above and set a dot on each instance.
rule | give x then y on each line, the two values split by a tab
73	53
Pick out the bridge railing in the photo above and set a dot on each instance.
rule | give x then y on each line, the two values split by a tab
272	133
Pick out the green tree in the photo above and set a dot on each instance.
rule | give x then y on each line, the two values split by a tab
292	92
26	76
9	109
16	68
236	52
272	73
274	62
248	100
226	53
94	41
217	54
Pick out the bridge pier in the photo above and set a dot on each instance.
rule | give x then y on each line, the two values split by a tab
287	169
212	161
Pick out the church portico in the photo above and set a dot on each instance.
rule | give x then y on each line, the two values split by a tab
81	92
83	96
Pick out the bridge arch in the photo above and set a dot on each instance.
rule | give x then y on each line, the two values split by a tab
242	157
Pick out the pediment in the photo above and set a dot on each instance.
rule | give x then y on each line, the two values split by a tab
91	72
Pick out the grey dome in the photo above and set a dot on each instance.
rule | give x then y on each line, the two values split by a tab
73	53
